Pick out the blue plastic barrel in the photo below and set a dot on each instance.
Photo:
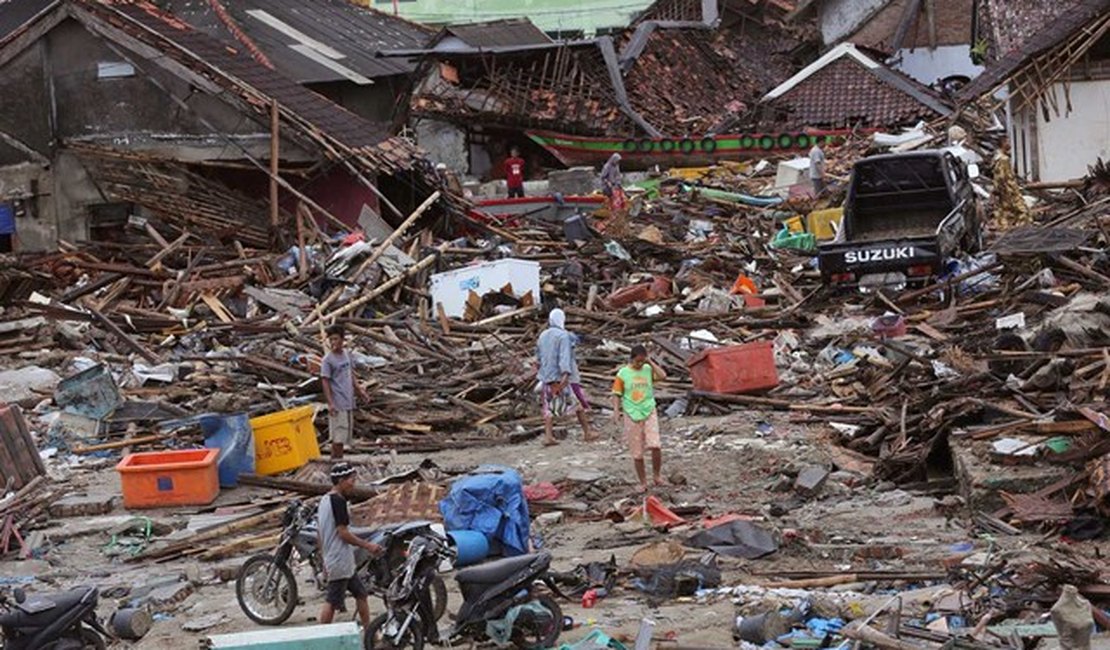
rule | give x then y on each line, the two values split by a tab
471	546
232	435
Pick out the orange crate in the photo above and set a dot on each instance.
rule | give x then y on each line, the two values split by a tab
169	478
735	369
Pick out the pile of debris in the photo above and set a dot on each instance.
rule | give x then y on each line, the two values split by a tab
987	386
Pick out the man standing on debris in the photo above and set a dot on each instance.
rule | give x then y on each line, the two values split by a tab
560	383
338	543
1010	209
514	174
337	374
617	225
817	169
634	404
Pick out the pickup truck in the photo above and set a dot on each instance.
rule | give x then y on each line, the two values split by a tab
903	216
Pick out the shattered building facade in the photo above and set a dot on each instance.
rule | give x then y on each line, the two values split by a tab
685	70
1050	74
114	110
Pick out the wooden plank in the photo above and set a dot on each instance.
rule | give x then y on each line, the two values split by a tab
217	308
125	338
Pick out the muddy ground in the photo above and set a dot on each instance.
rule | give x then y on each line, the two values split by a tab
728	465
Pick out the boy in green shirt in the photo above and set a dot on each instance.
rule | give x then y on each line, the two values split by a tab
634	404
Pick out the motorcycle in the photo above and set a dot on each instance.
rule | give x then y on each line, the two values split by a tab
267	589
500	602
65	621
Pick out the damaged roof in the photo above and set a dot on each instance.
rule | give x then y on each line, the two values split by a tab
670	77
494	33
689	80
570	87
847	88
14	14
309	41
1054	34
256	86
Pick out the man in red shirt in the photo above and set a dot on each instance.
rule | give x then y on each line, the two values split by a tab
514	173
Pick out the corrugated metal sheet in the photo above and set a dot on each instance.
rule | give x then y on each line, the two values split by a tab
16	13
498	33
313	41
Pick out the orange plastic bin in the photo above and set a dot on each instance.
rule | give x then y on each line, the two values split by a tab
735	369
169	478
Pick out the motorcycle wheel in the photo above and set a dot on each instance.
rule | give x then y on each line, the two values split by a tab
266	590
374	638
532	634
439	598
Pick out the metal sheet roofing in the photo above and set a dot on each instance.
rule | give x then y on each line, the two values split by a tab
498	33
311	41
16	13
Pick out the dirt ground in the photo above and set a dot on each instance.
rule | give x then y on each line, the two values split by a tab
727	465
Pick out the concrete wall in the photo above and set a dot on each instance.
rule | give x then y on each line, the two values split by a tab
24	103
87	105
1067	144
35	183
444	142
952	23
840	18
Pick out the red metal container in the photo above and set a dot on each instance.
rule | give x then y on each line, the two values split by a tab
735	369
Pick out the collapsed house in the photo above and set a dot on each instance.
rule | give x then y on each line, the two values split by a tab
1051	74
684	72
116	110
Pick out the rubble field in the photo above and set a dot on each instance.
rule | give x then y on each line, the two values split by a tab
925	467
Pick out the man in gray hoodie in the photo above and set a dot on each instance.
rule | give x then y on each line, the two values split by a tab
560	382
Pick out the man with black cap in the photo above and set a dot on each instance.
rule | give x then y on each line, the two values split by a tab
338	545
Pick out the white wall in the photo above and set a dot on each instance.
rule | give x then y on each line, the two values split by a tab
1069	143
927	66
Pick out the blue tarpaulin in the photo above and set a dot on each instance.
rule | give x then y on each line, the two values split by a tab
490	500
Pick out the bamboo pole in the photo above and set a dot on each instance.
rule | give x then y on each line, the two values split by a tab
275	125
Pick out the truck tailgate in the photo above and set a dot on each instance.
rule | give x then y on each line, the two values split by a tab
861	258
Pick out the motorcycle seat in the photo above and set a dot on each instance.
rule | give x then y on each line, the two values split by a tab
498	570
40	611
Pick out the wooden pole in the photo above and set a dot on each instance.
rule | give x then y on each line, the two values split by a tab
274	144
